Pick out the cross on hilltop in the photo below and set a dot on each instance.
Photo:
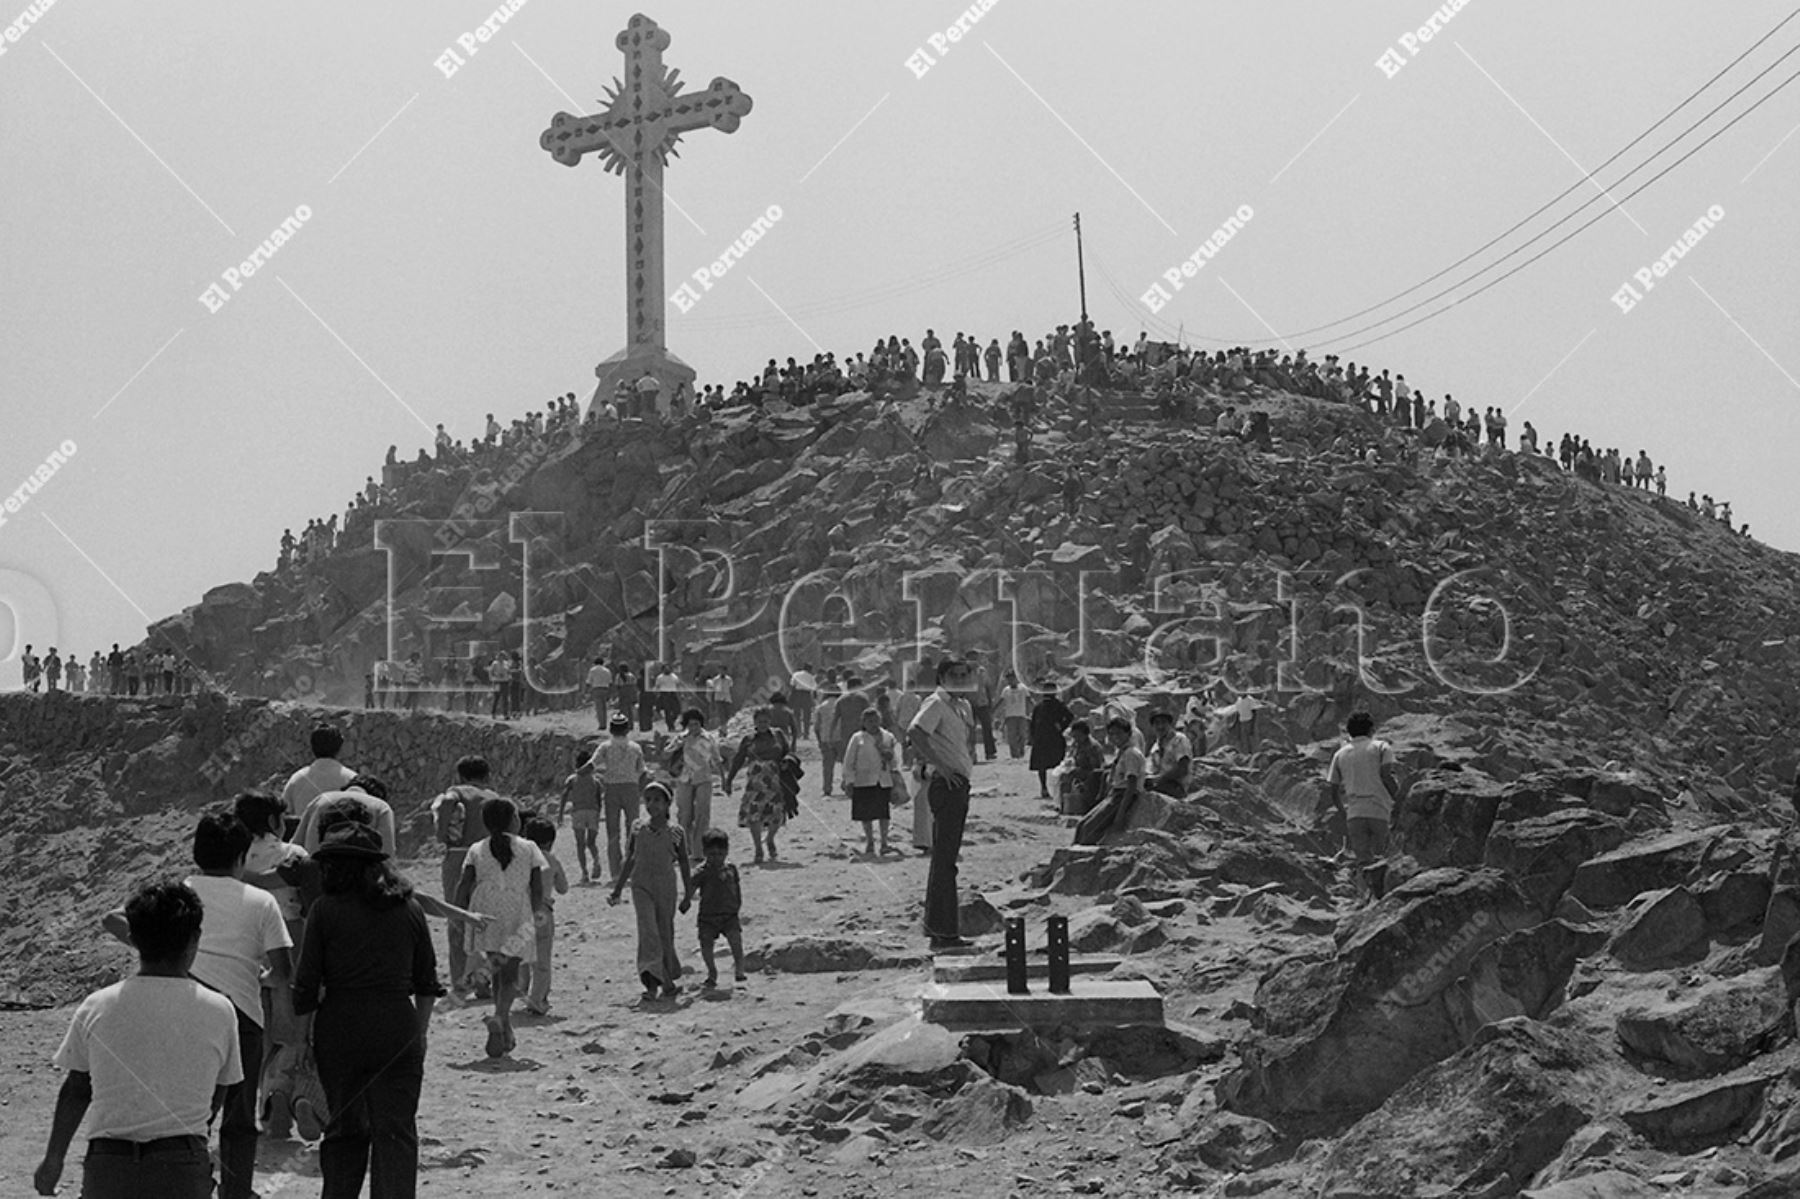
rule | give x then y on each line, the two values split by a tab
634	136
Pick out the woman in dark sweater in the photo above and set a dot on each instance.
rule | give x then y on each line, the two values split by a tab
368	949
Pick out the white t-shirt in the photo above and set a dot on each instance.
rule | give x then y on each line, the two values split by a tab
155	1049
267	853
1013	701
1163	757
242	923
599	677
803	680
380	812
721	688
1358	767
668	682
946	721
325	774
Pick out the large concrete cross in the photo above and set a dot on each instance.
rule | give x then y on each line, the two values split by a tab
644	119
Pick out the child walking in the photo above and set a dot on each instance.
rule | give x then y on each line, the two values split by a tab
656	851
504	877
582	790
535	980
721	899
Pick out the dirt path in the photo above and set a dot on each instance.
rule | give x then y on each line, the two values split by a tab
601	1091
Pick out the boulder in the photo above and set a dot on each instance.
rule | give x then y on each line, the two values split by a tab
1613	879
1444	817
1602	1184
1736	903
1781	920
1660	929
1254	858
976	917
1338	1036
1542	853
1287	915
1522	974
826	955
1228	1141
1622	792
1125	927
1716	1028
1142	858
1534	795
1699	1116
1482	1123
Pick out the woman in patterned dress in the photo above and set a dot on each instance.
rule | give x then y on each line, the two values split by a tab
764	807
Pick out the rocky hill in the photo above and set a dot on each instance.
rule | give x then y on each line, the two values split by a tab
1565	614
1580	982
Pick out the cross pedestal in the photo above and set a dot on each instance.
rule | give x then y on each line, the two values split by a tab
643	121
674	377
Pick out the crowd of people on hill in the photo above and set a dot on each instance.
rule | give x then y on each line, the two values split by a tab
1062	360
127	672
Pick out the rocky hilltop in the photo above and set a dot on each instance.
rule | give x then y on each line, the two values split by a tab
1330	561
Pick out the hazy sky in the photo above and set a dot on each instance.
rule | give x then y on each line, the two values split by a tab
449	267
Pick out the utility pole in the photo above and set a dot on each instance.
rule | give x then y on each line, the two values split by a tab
1080	267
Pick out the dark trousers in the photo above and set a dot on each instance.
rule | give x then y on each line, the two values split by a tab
949	799
372	1067
167	1170
646	713
984	718
237	1127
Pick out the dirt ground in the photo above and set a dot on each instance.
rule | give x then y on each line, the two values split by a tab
600	1091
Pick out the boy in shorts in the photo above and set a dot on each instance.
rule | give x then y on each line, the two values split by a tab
721	899
581	792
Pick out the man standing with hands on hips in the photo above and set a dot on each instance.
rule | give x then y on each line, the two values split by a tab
941	738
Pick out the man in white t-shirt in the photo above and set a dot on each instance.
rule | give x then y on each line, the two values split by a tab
242	931
149	1061
599	685
365	792
719	691
803	692
941	736
1015	708
325	774
1363	790
500	674
1170	758
1242	715
668	695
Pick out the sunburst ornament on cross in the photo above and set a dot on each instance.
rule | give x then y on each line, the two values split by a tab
634	136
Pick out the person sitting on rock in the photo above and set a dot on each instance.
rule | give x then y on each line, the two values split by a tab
1363	790
1124	783
1171	756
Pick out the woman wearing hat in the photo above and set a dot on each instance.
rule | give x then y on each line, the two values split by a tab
367	947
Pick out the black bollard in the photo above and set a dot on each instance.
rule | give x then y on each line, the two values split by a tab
1059	955
1015	956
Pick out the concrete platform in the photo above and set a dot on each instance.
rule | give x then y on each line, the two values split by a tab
983	1007
987	970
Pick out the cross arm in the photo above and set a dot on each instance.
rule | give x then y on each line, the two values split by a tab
721	106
